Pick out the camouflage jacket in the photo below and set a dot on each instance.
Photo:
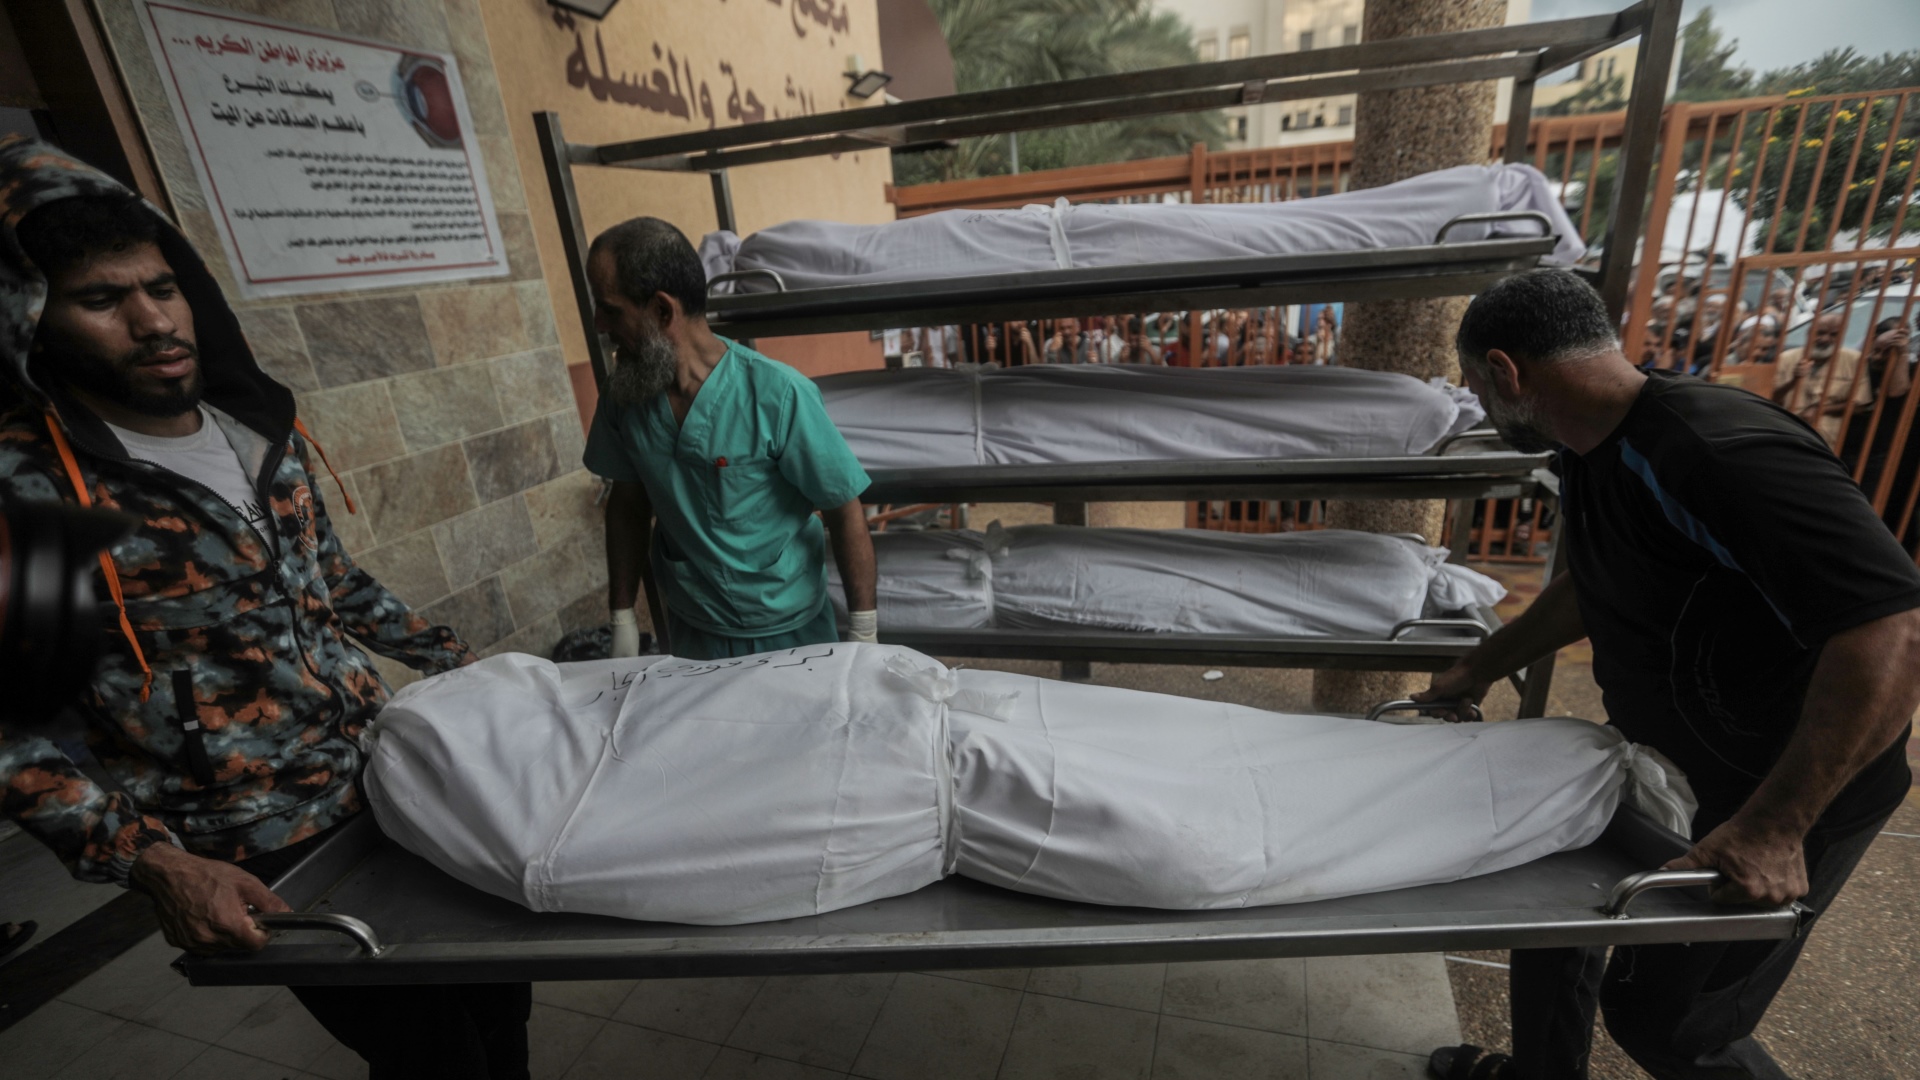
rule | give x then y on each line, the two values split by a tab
245	741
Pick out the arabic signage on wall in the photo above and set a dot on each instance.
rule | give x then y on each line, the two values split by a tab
328	162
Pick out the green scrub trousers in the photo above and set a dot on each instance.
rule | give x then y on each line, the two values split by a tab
692	643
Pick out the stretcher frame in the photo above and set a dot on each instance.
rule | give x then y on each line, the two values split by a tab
1524	53
366	912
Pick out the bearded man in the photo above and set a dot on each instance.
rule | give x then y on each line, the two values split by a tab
1751	619
731	453
1823	381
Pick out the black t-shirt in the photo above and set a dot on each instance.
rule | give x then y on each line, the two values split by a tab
1716	544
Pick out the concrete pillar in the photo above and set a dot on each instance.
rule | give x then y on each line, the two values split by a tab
1398	134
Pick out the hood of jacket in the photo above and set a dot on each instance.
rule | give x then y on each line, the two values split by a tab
33	174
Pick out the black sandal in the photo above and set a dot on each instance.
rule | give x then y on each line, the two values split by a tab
17	935
1464	1062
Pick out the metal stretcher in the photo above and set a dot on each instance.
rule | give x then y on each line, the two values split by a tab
1437	269
368	912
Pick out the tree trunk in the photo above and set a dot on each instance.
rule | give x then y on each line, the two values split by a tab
1398	134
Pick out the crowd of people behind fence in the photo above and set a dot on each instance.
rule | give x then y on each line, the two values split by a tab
1225	339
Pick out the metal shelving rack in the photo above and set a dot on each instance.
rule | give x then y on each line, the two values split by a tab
1524	53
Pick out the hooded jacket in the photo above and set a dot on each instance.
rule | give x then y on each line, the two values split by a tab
228	700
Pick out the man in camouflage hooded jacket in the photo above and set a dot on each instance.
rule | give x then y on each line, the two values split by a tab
228	700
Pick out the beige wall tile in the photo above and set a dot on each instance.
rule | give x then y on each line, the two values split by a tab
517	231
480	543
356	424
589	612
503	172
411	493
569	439
532	384
537	639
561	508
396	673
274	336
478	613
355	340
409	567
511	461
553	579
473	322
537	312
445	404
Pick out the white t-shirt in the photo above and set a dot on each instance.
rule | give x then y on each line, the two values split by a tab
204	456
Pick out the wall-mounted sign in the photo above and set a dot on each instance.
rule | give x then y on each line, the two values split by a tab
328	162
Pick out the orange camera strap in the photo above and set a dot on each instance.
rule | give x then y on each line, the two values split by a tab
85	496
315	443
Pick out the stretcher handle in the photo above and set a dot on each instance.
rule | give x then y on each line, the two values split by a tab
358	930
1479	628
779	283
1472	435
1545	223
1634	884
1379	712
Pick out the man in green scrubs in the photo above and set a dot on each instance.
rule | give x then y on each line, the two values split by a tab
731	452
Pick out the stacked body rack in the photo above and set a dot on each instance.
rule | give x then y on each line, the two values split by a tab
421	925
1524	53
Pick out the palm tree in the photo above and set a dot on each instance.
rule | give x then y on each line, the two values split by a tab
998	43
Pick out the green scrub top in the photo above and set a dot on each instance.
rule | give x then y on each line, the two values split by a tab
738	551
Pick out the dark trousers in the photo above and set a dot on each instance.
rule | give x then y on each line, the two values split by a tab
475	1031
1682	1012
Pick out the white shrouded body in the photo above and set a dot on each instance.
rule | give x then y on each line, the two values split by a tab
1321	583
803	781
1064	236
1056	414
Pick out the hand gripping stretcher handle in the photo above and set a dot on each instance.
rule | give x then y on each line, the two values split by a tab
1379	712
358	930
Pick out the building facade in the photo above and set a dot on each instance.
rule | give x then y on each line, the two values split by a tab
1234	29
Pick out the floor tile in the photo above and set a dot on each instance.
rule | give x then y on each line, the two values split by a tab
1130	986
50	1039
623	1052
132	1052
280	1030
739	1065
1058	1039
216	1063
1267	994
132	983
595	998
1011	978
555	1039
204	1012
813	1019
1401	1002
696	1008
939	1027
1196	1050
339	1063
1341	1061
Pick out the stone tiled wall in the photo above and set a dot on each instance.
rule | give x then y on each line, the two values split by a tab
447	409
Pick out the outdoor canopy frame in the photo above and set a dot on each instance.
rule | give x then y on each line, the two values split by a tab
1525	53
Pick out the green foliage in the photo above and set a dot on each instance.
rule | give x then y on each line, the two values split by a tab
1802	192
998	43
1707	71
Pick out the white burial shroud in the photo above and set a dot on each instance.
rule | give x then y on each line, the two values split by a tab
1066	236
799	782
1067	414
1319	583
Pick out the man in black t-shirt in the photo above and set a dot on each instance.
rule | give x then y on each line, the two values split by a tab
1751	618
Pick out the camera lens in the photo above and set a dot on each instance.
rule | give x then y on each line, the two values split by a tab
50	623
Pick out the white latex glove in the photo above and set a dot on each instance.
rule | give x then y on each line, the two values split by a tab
863	626
626	634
